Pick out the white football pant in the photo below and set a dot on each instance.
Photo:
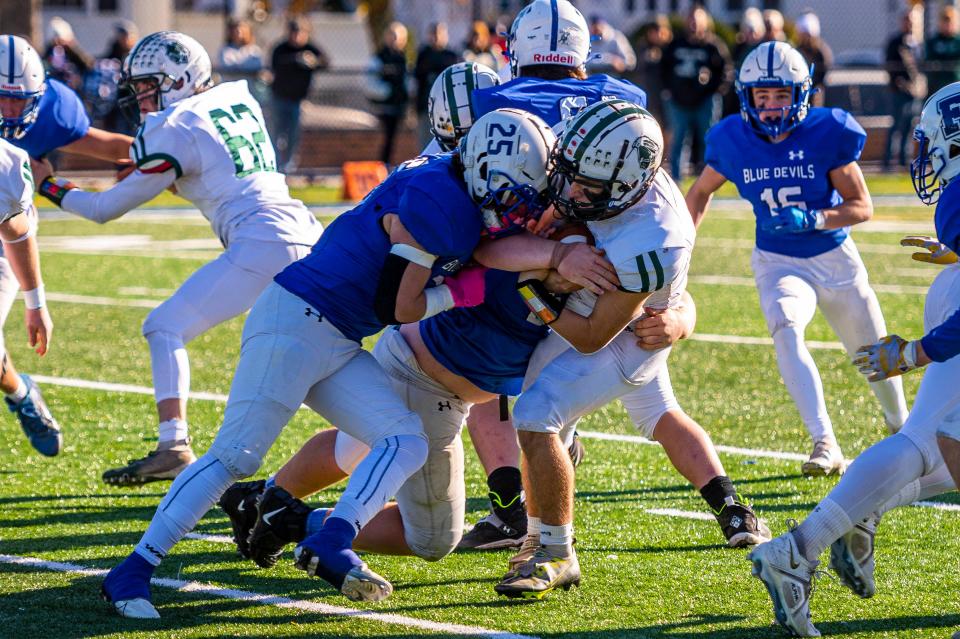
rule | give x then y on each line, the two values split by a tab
791	289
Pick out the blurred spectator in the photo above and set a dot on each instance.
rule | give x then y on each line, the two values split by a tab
433	58
391	71
611	52
655	37
751	33
943	51
64	58
125	35
293	62
815	51
481	48
694	67
239	54
100	85
902	58
773	23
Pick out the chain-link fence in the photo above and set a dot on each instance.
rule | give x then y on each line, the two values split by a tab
875	58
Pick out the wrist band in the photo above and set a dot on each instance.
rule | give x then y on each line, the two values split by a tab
542	302
35	298
910	354
55	188
820	220
439	299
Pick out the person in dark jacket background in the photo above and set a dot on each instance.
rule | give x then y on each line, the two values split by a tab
903	67
294	62
390	67
433	58
694	68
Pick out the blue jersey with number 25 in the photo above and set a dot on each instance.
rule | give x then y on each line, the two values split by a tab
793	172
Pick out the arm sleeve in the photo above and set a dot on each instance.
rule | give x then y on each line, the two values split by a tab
103	206
161	146
943	342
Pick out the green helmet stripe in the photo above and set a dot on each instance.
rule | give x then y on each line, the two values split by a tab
602	125
583	116
452	101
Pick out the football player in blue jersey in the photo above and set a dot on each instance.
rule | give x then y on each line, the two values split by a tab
39	115
373	266
797	166
908	465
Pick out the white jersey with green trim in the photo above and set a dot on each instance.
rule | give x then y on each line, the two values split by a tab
16	182
218	146
649	245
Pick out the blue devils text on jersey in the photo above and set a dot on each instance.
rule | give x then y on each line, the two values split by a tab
339	278
491	344
794	172
61	119
555	100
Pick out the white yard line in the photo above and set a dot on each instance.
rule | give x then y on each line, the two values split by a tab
274	600
749	340
893	248
735	280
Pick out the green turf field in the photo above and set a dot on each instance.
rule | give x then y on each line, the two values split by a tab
645	574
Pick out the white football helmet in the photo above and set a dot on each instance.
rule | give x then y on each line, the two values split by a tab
548	32
450	104
612	151
174	63
774	65
505	156
22	77
938	137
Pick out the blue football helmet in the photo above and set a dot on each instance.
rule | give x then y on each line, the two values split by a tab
22	77
773	65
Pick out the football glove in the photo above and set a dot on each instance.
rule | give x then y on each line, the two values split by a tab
933	251
792	219
889	357
468	286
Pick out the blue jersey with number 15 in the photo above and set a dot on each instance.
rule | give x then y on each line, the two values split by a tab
793	172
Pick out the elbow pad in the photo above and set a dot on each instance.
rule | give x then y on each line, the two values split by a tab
385	301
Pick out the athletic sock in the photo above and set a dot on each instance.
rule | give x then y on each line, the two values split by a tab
270	482
173	430
827	523
558	539
315	520
506	497
20	393
717	491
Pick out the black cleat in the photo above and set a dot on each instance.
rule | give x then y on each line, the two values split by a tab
741	526
240	503
491	533
281	520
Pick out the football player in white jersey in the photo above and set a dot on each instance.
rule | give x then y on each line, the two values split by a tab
605	173
797	166
209	142
18	225
908	465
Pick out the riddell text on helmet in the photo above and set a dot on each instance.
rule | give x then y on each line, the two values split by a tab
555	58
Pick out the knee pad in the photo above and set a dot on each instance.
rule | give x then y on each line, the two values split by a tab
239	460
433	545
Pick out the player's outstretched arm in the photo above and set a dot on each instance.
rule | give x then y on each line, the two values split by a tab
104	145
20	247
581	264
701	192
857	206
102	206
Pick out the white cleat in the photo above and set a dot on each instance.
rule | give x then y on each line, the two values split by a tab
362	584
788	577
851	557
826	459
138	608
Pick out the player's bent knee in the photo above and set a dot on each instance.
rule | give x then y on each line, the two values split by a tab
950	430
433	546
238	459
